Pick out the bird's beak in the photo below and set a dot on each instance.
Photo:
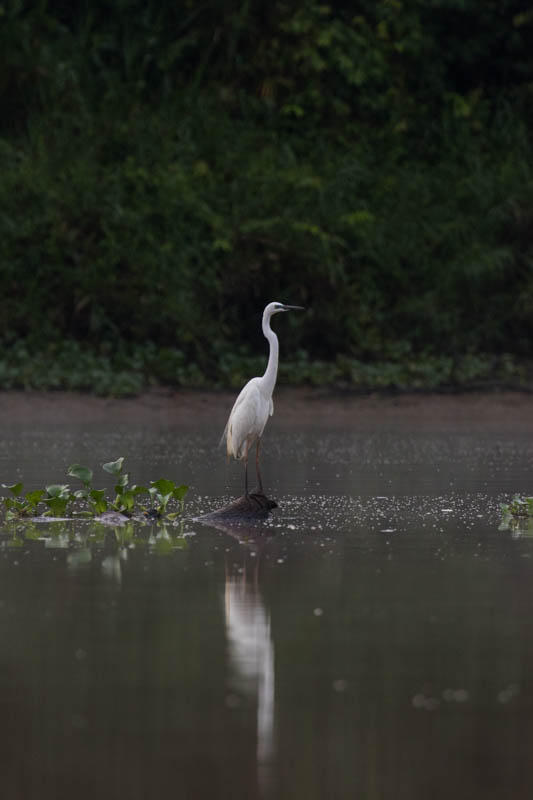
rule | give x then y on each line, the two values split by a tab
293	308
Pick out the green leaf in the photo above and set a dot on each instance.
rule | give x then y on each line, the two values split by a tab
358	218
114	467
179	492
135	490
15	488
127	501
34	497
57	506
163	500
58	490
163	486
84	474
121	483
100	506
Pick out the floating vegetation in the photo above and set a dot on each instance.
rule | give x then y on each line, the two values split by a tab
162	498
518	514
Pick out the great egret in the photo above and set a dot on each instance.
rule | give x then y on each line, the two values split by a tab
254	404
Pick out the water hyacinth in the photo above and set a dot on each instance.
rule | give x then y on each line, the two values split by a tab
62	501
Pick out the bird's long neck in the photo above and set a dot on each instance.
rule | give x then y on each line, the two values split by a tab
269	378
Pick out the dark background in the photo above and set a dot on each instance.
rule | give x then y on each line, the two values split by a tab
168	168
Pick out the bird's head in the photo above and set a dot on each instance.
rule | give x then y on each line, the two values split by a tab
275	308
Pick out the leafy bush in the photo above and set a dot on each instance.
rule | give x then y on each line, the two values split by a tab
168	169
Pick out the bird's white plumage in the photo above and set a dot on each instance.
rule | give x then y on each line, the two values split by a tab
254	404
248	418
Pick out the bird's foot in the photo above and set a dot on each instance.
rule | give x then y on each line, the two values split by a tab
257	500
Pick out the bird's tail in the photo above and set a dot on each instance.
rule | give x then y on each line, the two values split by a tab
225	439
231	449
224	436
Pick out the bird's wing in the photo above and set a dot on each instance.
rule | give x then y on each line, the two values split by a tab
271	409
223	437
247	419
238	401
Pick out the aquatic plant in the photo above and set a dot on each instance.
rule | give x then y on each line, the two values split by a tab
21	505
60	500
163	490
518	507
518	514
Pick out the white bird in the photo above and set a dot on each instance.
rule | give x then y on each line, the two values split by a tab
254	404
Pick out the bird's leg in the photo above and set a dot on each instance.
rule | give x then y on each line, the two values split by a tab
246	469
258	471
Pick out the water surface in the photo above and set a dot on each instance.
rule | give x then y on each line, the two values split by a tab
373	639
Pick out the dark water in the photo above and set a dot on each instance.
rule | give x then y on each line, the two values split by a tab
373	640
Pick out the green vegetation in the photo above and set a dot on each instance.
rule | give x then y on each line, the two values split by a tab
518	514
168	168
518	507
71	365
60	500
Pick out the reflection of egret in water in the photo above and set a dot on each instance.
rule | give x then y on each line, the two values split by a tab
112	565
114	557
250	645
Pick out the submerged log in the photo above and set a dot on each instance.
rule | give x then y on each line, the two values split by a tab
245	509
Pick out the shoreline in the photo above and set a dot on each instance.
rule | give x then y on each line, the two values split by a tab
479	411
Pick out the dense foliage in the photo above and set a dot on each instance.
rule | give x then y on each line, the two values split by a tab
168	168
